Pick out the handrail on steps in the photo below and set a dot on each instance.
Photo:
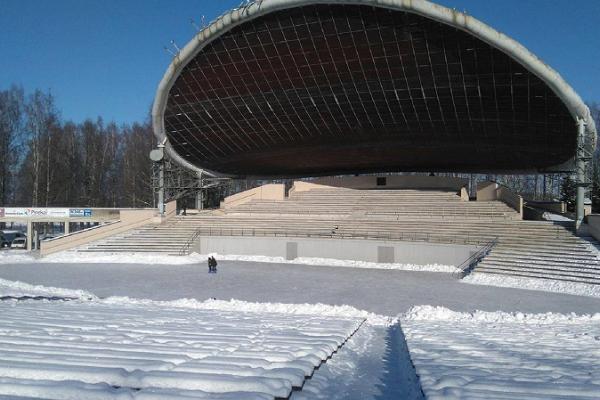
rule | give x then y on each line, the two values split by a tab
470	263
185	249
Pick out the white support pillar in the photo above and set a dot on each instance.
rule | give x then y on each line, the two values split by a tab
161	189
200	194
29	235
580	166
67	229
158	156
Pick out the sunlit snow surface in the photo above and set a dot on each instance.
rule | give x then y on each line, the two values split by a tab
498	355
92	350
71	257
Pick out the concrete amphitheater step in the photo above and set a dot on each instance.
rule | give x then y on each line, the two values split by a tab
547	265
537	257
547	276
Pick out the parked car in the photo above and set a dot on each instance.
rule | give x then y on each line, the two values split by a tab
19	243
3	241
9	235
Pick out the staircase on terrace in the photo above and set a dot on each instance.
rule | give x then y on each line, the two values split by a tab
537	249
167	238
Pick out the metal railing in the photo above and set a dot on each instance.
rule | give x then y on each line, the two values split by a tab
185	249
470	263
438	213
335	233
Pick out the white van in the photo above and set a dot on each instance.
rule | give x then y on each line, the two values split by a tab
19	243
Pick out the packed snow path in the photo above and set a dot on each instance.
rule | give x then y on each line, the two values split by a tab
76	350
385	292
504	356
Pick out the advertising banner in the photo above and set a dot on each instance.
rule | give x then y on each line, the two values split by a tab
80	212
36	212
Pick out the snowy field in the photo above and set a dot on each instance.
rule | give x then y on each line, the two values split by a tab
120	350
14	257
387	292
485	355
297	331
70	257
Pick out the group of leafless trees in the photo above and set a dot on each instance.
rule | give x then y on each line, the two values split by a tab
45	161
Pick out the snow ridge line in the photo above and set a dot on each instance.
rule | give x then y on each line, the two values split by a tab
436	313
343	311
362	322
21	291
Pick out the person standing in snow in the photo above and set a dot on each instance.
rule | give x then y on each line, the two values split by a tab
212	264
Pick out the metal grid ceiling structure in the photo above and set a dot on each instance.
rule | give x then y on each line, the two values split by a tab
328	88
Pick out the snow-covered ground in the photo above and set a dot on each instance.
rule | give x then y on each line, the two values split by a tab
484	355
17	290
548	285
549	216
18	257
123	349
387	292
108	342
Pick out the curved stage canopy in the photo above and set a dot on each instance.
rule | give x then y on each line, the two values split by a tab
306	88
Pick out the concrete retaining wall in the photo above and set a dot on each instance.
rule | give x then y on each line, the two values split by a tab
593	226
395	182
170	210
489	191
420	253
273	191
557	207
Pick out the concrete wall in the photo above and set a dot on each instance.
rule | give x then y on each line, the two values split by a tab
170	210
420	253
489	191
593	226
273	191
302	186
486	191
129	219
395	182
558	207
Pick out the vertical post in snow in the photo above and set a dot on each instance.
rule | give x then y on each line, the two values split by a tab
580	165
29	235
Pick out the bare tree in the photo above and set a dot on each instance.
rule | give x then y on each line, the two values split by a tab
41	118
11	131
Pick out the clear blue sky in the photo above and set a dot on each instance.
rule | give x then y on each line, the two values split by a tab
106	58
